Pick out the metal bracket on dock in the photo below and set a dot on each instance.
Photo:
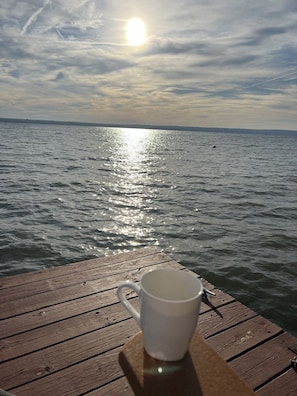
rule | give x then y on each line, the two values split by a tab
293	347
294	362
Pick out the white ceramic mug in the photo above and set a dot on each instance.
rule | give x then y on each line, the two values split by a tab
169	309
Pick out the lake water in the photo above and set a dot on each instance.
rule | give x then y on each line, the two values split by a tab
223	204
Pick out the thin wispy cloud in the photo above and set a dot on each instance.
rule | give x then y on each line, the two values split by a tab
220	63
32	18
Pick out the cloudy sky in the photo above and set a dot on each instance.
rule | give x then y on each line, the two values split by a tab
213	63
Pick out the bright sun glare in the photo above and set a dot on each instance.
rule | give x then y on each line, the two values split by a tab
135	32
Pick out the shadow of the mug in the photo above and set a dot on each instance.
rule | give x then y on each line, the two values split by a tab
148	376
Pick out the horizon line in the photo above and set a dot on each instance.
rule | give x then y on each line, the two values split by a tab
141	126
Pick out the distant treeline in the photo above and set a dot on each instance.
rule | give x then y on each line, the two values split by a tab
143	126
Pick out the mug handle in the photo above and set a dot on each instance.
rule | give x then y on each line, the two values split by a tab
125	302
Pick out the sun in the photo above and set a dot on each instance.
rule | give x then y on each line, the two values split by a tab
135	32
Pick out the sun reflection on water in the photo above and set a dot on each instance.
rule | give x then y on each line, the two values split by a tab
134	144
132	193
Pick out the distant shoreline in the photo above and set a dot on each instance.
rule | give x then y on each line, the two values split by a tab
143	126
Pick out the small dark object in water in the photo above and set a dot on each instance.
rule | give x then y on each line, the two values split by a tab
214	146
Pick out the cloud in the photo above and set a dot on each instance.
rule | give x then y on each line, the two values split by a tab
33	17
175	47
203	58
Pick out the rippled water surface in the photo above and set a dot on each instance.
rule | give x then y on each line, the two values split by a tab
223	204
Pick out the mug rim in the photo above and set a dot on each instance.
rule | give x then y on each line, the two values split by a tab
175	271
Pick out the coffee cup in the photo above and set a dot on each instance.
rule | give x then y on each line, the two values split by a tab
169	309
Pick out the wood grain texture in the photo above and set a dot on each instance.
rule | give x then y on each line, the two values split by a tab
222	318
72	292
77	379
285	385
101	262
243	337
119	387
60	356
79	276
82	306
37	339
62	330
266	361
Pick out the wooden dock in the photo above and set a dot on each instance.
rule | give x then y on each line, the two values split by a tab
62	329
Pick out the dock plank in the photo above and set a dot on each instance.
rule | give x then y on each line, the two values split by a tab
70	352
36	339
117	387
243	337
265	362
72	292
77	379
80	276
132	257
217	320
40	317
62	329
106	312
285	385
